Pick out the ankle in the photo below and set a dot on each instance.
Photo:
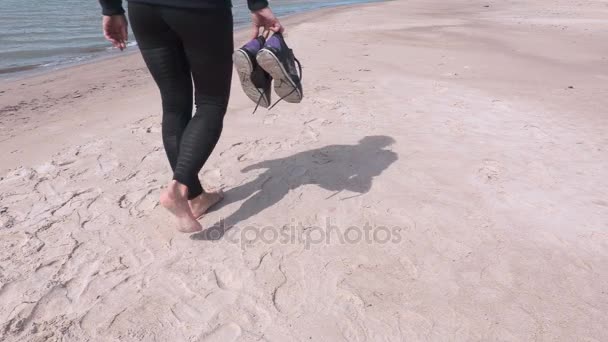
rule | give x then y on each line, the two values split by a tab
178	189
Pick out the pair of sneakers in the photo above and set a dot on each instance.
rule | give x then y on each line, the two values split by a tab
262	61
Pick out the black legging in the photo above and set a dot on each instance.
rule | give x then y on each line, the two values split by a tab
180	46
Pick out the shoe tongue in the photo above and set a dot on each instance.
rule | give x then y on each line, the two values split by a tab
274	42
255	44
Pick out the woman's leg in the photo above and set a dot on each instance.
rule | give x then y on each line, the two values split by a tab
163	52
208	44
207	39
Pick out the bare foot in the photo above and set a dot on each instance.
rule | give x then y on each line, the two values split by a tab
175	199
202	203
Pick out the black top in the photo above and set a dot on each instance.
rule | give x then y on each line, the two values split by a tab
112	7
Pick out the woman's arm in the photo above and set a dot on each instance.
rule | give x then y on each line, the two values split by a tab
262	17
114	23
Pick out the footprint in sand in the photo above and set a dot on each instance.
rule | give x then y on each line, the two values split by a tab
234	146
106	164
146	202
224	333
6	221
600	203
311	133
213	176
124	202
226	279
490	172
536	131
283	298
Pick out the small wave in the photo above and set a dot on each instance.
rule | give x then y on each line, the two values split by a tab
129	44
10	70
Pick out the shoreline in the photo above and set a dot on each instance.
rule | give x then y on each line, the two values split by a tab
110	53
41	70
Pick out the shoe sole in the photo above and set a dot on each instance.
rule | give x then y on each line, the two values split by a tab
244	68
283	84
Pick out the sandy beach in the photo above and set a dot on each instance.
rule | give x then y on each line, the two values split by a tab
444	179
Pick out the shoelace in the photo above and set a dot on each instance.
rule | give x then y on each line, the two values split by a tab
265	35
294	89
257	105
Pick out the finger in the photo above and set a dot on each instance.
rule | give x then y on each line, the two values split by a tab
125	34
115	42
112	40
277	28
255	31
108	36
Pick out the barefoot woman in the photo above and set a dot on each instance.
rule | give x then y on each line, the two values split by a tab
186	44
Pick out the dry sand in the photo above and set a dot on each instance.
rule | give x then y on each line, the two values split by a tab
474	130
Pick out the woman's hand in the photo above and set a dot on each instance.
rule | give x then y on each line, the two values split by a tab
115	30
264	18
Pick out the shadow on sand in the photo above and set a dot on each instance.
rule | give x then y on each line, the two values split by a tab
334	167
